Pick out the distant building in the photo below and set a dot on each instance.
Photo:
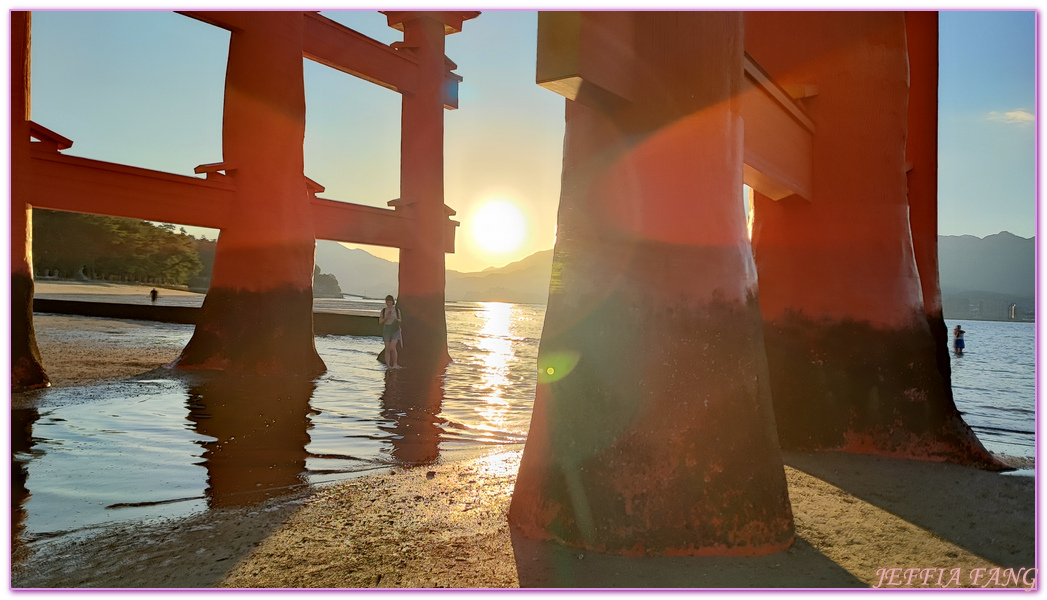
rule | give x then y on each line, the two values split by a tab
993	308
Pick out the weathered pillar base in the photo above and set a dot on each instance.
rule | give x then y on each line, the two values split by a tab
940	335
424	332
260	333
847	386
27	371
652	433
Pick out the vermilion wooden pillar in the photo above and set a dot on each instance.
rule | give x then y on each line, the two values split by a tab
421	273
257	316
652	431
852	359
26	368
921	150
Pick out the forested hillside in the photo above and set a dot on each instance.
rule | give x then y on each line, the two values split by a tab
74	245
78	246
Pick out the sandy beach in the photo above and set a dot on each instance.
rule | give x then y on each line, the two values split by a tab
861	521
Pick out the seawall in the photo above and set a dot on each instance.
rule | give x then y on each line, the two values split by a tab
324	323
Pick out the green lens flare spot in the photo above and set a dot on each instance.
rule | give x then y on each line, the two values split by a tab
554	366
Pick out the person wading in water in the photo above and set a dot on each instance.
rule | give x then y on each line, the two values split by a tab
957	342
390	319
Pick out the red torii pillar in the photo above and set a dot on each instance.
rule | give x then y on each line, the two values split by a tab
421	270
257	316
26	369
652	431
852	360
921	150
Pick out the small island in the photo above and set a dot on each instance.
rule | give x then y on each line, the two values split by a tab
325	285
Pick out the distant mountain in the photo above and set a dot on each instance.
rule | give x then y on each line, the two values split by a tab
1002	263
359	273
982	277
525	281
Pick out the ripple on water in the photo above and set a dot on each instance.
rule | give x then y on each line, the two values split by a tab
167	446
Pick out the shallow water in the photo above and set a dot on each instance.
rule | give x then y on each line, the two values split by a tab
994	384
169	445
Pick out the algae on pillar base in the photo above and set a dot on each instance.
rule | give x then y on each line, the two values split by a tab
27	371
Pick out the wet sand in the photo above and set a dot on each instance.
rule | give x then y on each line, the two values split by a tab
446	527
45	287
857	517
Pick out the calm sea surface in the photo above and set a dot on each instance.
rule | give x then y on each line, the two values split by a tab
162	446
994	385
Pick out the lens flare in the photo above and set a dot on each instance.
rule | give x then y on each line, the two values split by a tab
554	366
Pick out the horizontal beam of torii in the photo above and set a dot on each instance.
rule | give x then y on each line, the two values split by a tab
74	184
332	44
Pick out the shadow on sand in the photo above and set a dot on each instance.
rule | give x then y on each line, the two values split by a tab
971	508
550	565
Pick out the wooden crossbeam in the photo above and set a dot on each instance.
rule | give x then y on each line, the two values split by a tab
49	139
335	45
583	56
74	184
452	19
394	67
230	20
358	224
779	138
332	44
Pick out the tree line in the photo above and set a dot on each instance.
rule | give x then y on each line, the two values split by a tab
71	245
80	246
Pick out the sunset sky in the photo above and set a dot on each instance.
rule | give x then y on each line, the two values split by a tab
145	89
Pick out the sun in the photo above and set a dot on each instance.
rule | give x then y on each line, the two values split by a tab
499	227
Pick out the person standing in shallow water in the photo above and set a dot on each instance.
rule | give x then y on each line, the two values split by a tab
390	319
957	342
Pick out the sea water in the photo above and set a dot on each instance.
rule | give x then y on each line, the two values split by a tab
994	386
163	446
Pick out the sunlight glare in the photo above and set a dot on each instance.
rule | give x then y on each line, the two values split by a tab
497	345
499	226
505	464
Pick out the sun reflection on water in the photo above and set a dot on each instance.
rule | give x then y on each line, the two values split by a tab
496	346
